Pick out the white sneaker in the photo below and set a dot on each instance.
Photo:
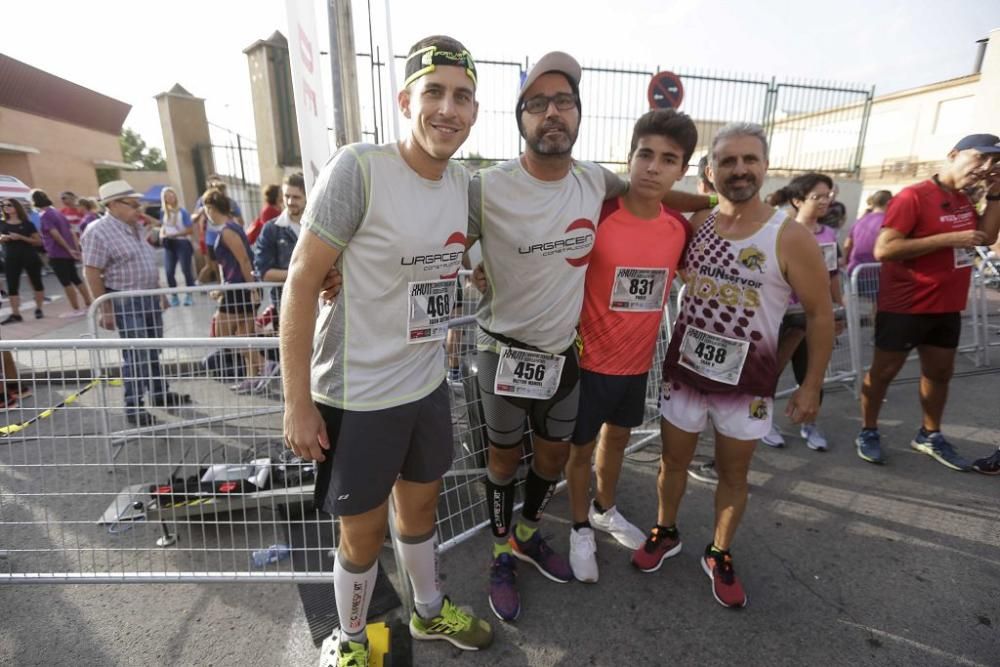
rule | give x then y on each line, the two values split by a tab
774	438
618	526
814	438
583	555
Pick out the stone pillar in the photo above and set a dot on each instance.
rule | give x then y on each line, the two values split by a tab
278	150
185	129
987	112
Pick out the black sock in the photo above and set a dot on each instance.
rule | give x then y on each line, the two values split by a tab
537	493
500	505
598	508
669	531
581	524
924	432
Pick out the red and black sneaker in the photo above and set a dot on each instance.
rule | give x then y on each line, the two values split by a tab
661	544
726	586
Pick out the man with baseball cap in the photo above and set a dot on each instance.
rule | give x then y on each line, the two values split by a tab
117	257
535	217
926	249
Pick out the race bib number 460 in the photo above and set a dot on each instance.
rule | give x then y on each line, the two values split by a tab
715	357
429	305
637	289
528	373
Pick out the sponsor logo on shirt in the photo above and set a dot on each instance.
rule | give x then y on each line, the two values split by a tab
753	258
578	240
447	260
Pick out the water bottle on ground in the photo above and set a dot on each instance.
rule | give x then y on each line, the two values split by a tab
272	554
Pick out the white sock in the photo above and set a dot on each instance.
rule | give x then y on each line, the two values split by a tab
353	585
419	559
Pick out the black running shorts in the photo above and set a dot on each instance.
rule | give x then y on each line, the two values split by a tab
619	400
369	451
901	332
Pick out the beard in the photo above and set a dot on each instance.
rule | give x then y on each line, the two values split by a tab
741	193
558	144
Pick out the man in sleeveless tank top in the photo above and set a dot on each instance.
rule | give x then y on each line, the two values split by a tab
374	411
742	264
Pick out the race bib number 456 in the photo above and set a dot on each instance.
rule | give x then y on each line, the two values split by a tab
428	310
715	357
637	289
528	373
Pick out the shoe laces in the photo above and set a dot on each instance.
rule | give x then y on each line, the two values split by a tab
451	620
353	654
724	566
503	571
586	538
941	445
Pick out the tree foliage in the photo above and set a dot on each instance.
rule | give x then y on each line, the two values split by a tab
136	152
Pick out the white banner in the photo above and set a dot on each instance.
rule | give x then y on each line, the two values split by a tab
307	84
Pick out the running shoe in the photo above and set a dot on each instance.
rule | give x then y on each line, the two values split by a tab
583	554
939	449
174	300
538	552
815	440
659	546
346	654
39	314
140	418
271	371
171	399
611	521
774	437
188	300
989	465
247	386
726	586
12	319
704	472
504	600
453	625
869	444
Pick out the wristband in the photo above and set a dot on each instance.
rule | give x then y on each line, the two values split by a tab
713	200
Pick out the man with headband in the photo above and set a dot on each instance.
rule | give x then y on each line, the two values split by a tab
376	416
535	217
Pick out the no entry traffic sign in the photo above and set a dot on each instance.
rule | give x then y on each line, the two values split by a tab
665	91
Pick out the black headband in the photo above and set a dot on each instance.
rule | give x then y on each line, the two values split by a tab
427	59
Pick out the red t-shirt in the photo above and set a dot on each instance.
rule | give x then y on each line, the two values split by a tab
73	216
937	282
628	280
266	214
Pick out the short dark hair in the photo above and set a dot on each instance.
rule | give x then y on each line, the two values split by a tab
798	188
880	199
68	193
669	123
271	194
296	180
40	199
218	200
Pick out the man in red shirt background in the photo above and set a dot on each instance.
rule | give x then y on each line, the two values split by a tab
72	212
926	248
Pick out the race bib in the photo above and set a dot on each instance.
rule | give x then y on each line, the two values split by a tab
638	289
528	373
829	255
428	310
715	357
964	257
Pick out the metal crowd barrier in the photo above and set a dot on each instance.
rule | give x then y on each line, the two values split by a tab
862	307
88	496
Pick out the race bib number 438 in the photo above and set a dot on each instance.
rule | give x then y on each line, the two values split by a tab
715	357
528	373
429	305
637	289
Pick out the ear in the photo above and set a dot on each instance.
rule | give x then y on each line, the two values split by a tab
404	101
475	112
710	173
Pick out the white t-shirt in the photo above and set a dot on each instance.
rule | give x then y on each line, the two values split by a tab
536	239
399	234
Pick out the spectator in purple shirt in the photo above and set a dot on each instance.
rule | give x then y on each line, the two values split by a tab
860	244
63	251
